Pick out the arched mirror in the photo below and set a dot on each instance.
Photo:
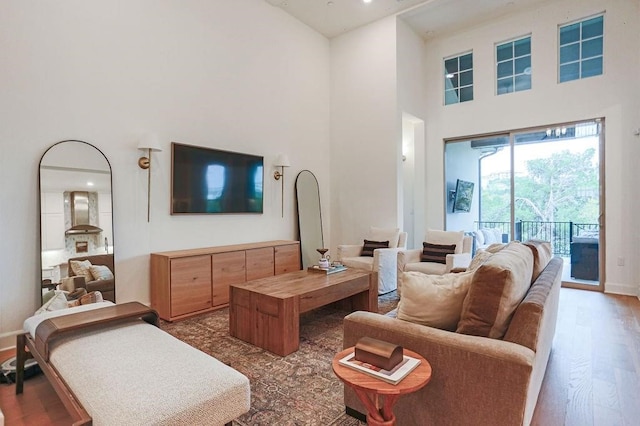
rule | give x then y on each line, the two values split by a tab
309	217
76	222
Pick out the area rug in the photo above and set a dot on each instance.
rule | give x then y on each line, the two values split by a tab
299	389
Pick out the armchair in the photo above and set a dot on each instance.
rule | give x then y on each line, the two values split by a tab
383	260
410	260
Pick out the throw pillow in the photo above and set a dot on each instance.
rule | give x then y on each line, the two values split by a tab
495	247
81	269
369	246
445	237
57	302
436	253
489	236
384	234
433	300
479	238
497	288
480	257
93	297
101	272
542	254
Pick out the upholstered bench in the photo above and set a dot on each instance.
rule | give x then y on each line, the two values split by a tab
131	372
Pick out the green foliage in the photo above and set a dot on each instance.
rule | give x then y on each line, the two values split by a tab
559	188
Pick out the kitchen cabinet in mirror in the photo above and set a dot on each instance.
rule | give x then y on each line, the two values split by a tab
76	220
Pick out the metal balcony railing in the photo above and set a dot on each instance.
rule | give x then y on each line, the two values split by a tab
560	234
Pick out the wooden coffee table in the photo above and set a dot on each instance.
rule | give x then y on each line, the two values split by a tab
378	396
266	312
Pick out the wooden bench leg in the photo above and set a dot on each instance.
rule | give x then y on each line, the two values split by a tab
21	357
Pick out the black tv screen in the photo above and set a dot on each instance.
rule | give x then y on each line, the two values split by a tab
205	180
463	196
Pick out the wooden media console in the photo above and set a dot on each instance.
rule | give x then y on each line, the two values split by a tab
194	281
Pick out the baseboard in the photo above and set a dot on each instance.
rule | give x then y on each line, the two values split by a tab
355	414
622	289
8	340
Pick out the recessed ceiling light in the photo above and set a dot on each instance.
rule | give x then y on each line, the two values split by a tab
367	1
89	183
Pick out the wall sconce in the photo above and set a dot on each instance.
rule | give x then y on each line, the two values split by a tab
282	161
148	143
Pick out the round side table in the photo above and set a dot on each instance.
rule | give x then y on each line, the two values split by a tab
378	396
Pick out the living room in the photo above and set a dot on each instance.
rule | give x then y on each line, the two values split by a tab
246	76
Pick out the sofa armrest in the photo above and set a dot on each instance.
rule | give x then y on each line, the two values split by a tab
458	261
407	256
349	250
384	262
468	372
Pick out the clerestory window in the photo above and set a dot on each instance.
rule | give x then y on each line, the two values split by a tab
581	49
458	79
513	66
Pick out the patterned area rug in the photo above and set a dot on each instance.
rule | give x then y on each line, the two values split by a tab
299	389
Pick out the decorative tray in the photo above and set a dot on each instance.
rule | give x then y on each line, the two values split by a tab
326	271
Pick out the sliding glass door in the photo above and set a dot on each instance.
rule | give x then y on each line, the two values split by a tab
542	183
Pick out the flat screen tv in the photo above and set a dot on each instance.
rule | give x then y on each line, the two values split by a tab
463	196
205	180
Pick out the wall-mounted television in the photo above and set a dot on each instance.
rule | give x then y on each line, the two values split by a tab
206	180
463	196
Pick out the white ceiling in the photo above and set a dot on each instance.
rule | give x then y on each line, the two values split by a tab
429	18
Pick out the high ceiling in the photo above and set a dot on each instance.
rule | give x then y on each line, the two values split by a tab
429	18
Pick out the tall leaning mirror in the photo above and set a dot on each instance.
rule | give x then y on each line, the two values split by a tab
76	222
309	217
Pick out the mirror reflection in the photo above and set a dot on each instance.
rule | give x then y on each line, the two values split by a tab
309	218
76	232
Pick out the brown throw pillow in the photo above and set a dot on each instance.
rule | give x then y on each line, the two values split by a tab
542	254
436	253
497	288
370	246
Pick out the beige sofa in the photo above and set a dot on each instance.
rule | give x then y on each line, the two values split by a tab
476	380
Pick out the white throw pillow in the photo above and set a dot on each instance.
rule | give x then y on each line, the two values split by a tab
57	302
101	272
384	234
433	300
445	237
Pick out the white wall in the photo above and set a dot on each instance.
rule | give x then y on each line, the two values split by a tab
412	107
239	75
365	132
613	96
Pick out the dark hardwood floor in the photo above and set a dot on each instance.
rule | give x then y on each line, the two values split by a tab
593	376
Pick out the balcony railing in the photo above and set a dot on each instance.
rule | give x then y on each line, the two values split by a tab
560	234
